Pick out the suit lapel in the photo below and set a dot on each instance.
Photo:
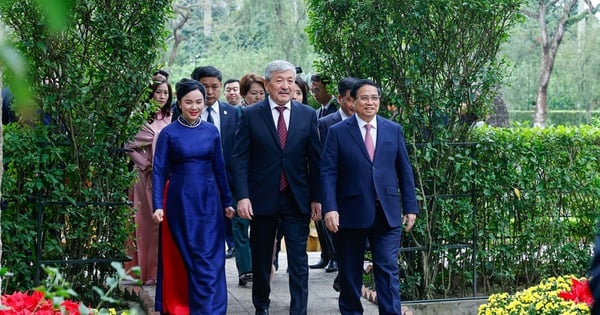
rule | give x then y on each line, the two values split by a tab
267	116
355	132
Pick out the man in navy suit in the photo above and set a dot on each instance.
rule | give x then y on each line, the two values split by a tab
225	117
276	169
346	110
369	194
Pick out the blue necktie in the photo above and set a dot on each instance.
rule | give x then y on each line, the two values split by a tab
209	117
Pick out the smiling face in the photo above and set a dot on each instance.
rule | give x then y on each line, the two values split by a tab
192	105
280	86
232	92
366	103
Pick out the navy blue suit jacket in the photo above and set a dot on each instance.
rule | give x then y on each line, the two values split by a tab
352	183
259	159
229	120
326	122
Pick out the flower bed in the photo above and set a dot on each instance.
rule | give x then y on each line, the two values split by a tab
555	295
20	303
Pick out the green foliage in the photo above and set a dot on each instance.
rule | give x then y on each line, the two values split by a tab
575	82
436	62
538	203
432	58
556	117
242	37
89	80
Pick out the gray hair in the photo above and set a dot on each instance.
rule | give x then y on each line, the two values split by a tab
278	66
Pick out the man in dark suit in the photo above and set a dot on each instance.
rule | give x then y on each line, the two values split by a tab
276	169
369	194
346	110
225	117
318	89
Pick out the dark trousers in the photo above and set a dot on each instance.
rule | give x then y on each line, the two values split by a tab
243	256
325	240
229	233
263	230
350	248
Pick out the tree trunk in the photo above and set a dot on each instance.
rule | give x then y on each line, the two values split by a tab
549	51
184	12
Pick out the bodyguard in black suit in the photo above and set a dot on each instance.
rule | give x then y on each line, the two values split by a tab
318	89
225	117
276	170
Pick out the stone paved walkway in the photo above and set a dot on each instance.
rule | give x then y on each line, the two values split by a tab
322	299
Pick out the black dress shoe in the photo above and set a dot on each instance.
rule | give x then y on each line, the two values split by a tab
331	267
320	265
244	278
230	253
262	312
336	283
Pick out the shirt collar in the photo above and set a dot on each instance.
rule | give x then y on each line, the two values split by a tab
273	104
214	106
362	123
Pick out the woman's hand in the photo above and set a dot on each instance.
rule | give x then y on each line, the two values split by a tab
158	216
229	212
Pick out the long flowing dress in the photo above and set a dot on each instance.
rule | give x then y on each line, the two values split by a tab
145	253
192	258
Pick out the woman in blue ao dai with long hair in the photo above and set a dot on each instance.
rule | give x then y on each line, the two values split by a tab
192	208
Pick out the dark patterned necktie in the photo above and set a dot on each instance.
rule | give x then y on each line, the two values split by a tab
282	133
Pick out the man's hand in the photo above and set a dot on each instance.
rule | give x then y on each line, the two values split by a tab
229	212
244	209
409	221
315	211
332	221
158	216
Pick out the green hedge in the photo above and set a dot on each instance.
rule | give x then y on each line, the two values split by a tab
528	197
556	117
539	201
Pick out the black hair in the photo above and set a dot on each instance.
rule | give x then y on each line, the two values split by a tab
304	87
320	78
206	72
166	109
161	72
185	86
345	85
362	82
231	81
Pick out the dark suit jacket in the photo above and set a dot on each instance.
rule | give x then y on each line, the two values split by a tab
333	106
229	120
259	159
326	122
352	183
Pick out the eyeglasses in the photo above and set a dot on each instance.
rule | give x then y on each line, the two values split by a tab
366	98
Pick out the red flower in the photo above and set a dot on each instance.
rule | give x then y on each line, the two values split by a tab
20	303
580	292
